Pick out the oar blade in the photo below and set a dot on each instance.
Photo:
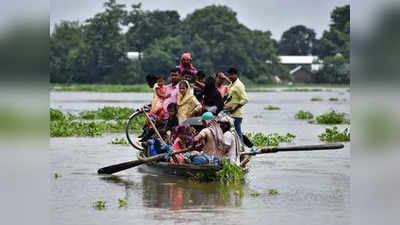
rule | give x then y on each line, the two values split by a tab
119	167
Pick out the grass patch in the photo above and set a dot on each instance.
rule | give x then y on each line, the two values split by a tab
260	139
108	113
103	88
270	107
273	191
100	205
304	115
334	135
332	117
119	141
333	99
316	99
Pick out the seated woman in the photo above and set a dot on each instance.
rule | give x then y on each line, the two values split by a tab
212	98
213	138
188	105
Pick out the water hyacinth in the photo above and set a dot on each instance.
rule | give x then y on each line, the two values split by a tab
270	107
260	139
108	113
304	115
334	135
332	117
119	141
67	125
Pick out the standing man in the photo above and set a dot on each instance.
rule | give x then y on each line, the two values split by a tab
239	98
171	90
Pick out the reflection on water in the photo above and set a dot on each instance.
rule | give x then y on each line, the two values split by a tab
178	193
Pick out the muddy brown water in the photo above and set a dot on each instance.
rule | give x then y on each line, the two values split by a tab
314	187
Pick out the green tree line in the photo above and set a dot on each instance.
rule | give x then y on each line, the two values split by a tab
95	51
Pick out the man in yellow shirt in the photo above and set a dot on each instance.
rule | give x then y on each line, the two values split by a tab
239	98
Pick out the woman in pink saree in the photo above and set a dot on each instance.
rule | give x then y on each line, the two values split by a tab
185	63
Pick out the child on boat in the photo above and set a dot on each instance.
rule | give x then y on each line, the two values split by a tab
172	121
158	97
180	143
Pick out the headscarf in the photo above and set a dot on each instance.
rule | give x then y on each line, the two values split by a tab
188	94
230	120
187	55
218	135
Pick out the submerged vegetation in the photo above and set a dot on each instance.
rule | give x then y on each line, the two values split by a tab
334	135
260	139
332	117
304	115
270	107
66	125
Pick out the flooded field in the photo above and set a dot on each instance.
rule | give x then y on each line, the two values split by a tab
313	187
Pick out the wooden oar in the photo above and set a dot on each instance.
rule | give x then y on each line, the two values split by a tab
289	149
275	149
127	165
154	127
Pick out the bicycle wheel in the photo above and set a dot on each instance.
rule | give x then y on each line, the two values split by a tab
134	127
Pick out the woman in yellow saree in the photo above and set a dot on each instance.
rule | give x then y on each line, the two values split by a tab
188	105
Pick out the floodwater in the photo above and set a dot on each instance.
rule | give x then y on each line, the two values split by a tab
314	187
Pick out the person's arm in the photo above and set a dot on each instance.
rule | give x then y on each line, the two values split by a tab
226	79
197	108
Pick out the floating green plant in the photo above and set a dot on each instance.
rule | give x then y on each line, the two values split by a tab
229	173
57	175
260	139
273	191
332	117
333	99
304	115
334	135
108	113
257	116
119	141
100	205
316	99
270	107
122	203
254	193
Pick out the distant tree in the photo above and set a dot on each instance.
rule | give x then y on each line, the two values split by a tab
335	71
65	39
103	58
337	39
162	55
147	26
298	40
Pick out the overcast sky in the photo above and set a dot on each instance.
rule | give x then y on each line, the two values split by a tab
273	15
